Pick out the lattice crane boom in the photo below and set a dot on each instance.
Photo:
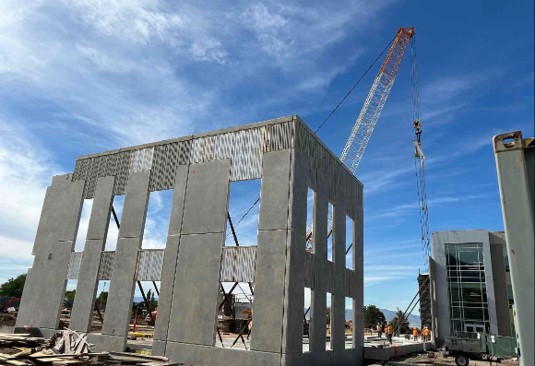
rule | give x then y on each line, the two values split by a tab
371	109
375	101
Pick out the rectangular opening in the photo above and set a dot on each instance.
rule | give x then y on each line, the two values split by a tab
101	298
68	301
309	244
349	323
83	225
306	319
234	315
144	309
349	243
330	232
243	209
157	220
115	218
329	314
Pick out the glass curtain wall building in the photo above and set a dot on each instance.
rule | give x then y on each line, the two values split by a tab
469	310
469	281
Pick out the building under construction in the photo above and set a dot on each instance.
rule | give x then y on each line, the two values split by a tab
289	159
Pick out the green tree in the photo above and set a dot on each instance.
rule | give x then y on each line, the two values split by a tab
153	303
401	321
69	296
13	287
372	316
102	299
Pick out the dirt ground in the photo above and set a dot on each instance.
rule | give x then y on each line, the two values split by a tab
435	359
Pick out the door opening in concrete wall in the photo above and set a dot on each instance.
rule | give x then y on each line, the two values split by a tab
145	308
329	314
349	243
243	209
330	234
99	307
68	301
157	220
307	319
83	225
115	220
348	314
234	315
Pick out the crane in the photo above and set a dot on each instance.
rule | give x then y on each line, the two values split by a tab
371	109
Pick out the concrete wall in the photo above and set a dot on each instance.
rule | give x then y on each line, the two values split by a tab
289	159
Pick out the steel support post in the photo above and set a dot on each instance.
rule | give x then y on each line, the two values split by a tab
515	168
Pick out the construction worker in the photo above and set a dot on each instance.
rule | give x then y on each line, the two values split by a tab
379	329
425	334
415	333
389	332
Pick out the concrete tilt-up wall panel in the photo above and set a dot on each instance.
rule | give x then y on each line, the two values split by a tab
122	284
196	288
45	284
96	239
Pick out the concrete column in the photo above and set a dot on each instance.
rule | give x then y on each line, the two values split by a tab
295	276
169	261
44	290
318	319
358	301
196	287
339	251
271	252
86	288
122	284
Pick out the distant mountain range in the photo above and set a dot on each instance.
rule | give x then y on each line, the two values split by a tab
414	320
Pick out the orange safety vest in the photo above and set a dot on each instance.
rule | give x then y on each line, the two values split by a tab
415	332
389	329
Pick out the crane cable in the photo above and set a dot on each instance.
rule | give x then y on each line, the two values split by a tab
419	161
329	115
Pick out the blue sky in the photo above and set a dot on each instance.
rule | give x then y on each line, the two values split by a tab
87	76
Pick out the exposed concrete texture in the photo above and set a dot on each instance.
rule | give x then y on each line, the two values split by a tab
295	257
339	259
192	354
267	334
288	157
207	198
358	301
196	288
104	343
122	284
318	304
170	260
86	287
54	242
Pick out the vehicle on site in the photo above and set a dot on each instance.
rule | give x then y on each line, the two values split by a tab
481	347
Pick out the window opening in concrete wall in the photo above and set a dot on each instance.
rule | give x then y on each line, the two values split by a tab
243	209
115	217
145	307
330	234
309	244
83	225
306	319
349	243
234	315
157	220
68	301
329	314
349	322
99	308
